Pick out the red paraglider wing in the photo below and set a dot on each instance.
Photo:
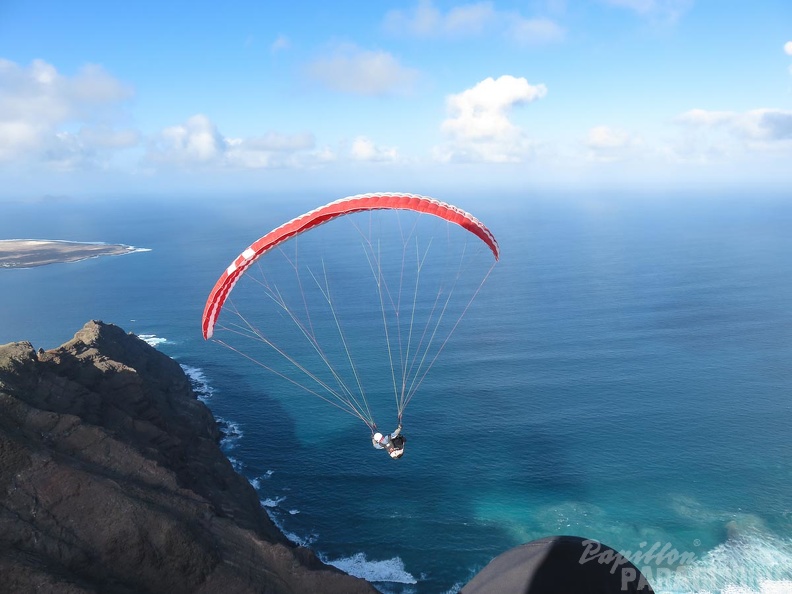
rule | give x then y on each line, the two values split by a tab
319	216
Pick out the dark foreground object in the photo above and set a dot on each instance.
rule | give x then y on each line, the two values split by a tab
559	565
112	480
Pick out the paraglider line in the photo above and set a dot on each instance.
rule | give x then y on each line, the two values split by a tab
275	294
379	280
350	399
420	265
347	409
436	326
442	346
326	293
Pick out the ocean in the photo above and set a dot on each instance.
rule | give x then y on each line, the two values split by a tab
624	374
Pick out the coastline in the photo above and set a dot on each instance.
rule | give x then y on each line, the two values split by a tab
31	253
104	435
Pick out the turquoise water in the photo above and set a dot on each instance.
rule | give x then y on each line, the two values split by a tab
623	375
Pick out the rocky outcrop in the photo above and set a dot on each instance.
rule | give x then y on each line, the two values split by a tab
111	480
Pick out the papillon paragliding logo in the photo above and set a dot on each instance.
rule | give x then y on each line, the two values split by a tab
356	299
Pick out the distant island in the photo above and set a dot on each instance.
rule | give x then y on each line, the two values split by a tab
28	253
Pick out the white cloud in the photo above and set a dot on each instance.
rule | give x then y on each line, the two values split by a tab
703	117
533	31
478	126
350	69
717	135
363	149
552	6
275	142
64	121
607	144
471	20
482	111
659	10
195	141
642	6
423	21
764	125
604	137
788	52
271	150
427	21
281	43
198	143
103	136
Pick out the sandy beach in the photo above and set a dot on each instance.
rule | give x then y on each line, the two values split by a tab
27	253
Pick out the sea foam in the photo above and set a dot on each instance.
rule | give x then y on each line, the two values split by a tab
256	481
232	433
271	507
152	339
389	570
273	502
755	563
199	381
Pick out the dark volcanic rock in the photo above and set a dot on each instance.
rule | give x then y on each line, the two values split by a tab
111	480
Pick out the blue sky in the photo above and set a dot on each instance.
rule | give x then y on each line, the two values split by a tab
411	95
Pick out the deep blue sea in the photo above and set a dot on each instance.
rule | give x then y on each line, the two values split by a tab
625	374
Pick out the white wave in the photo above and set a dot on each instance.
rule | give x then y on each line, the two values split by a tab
237	465
752	563
389	570
232	433
270	506
256	481
454	589
768	587
294	512
152	339
231	436
200	384
298	540
272	502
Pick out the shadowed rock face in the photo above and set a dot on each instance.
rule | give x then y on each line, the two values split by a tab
111	480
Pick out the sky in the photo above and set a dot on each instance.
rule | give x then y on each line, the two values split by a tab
98	98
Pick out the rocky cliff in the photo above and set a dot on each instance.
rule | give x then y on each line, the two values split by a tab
112	480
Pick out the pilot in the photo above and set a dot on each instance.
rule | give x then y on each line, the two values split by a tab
393	443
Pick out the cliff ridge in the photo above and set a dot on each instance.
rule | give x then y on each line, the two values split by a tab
112	480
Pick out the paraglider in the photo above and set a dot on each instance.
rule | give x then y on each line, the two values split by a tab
406	269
